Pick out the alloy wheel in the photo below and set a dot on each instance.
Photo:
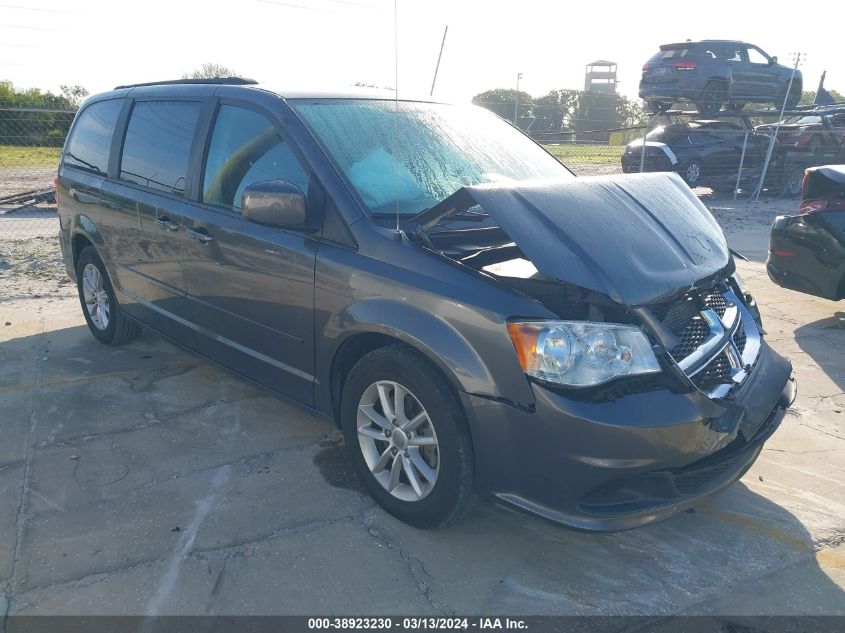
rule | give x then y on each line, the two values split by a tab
96	297
398	440
693	173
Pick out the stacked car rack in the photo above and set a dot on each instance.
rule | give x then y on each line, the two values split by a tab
785	171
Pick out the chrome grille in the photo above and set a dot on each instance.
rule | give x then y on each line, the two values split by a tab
739	339
718	340
691	337
715	373
715	300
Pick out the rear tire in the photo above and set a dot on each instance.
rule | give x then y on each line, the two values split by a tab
99	303
433	483
693	173
712	98
658	106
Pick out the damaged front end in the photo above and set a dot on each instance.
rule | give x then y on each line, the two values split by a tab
639	253
634	250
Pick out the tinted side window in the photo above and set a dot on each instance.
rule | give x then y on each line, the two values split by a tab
246	148
158	143
88	145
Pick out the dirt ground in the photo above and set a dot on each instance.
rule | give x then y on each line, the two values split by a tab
139	480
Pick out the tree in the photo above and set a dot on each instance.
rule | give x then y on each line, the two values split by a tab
46	120
630	113
556	108
808	96
210	71
502	102
74	94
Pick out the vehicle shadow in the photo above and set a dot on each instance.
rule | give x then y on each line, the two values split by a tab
740	554
822	341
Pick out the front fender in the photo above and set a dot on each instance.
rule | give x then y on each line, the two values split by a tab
438	338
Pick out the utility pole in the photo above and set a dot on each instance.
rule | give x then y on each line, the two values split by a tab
799	57
516	102
437	68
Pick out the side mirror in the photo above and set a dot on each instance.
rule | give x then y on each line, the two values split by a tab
275	203
773	60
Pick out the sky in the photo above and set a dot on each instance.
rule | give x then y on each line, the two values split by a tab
330	44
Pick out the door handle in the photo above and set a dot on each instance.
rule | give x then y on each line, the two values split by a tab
165	223
201	235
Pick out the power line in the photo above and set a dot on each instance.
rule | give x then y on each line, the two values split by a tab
22	8
294	6
356	4
28	28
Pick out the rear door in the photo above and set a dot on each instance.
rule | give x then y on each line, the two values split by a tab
146	208
251	287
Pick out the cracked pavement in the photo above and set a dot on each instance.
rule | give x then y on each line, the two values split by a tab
139	480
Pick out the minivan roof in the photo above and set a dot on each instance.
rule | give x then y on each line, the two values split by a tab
210	86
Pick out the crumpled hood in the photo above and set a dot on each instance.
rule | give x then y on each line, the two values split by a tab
635	238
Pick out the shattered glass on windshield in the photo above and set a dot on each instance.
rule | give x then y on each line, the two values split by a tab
440	148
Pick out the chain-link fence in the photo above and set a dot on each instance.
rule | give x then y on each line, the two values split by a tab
720	155
743	153
30	142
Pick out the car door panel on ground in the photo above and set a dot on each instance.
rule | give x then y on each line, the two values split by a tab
144	214
251	287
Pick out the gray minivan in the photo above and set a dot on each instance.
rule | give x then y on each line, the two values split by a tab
477	320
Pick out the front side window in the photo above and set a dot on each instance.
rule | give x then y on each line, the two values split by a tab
89	143
158	144
409	156
757	57
246	148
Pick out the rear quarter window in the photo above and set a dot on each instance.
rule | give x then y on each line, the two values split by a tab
158	144
671	53
90	140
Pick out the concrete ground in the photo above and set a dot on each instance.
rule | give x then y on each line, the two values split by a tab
138	480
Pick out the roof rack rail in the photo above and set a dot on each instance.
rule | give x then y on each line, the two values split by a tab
229	81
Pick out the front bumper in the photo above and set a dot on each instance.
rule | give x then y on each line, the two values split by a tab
628	462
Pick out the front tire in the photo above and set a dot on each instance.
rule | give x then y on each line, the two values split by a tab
99	303
406	434
792	98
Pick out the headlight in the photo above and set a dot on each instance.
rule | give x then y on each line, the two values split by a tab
581	353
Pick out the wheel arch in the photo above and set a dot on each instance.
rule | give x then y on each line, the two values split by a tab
84	232
377	323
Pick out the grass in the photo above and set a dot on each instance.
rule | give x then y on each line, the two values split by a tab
599	154
16	156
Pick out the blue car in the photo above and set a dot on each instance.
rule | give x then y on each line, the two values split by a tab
715	73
